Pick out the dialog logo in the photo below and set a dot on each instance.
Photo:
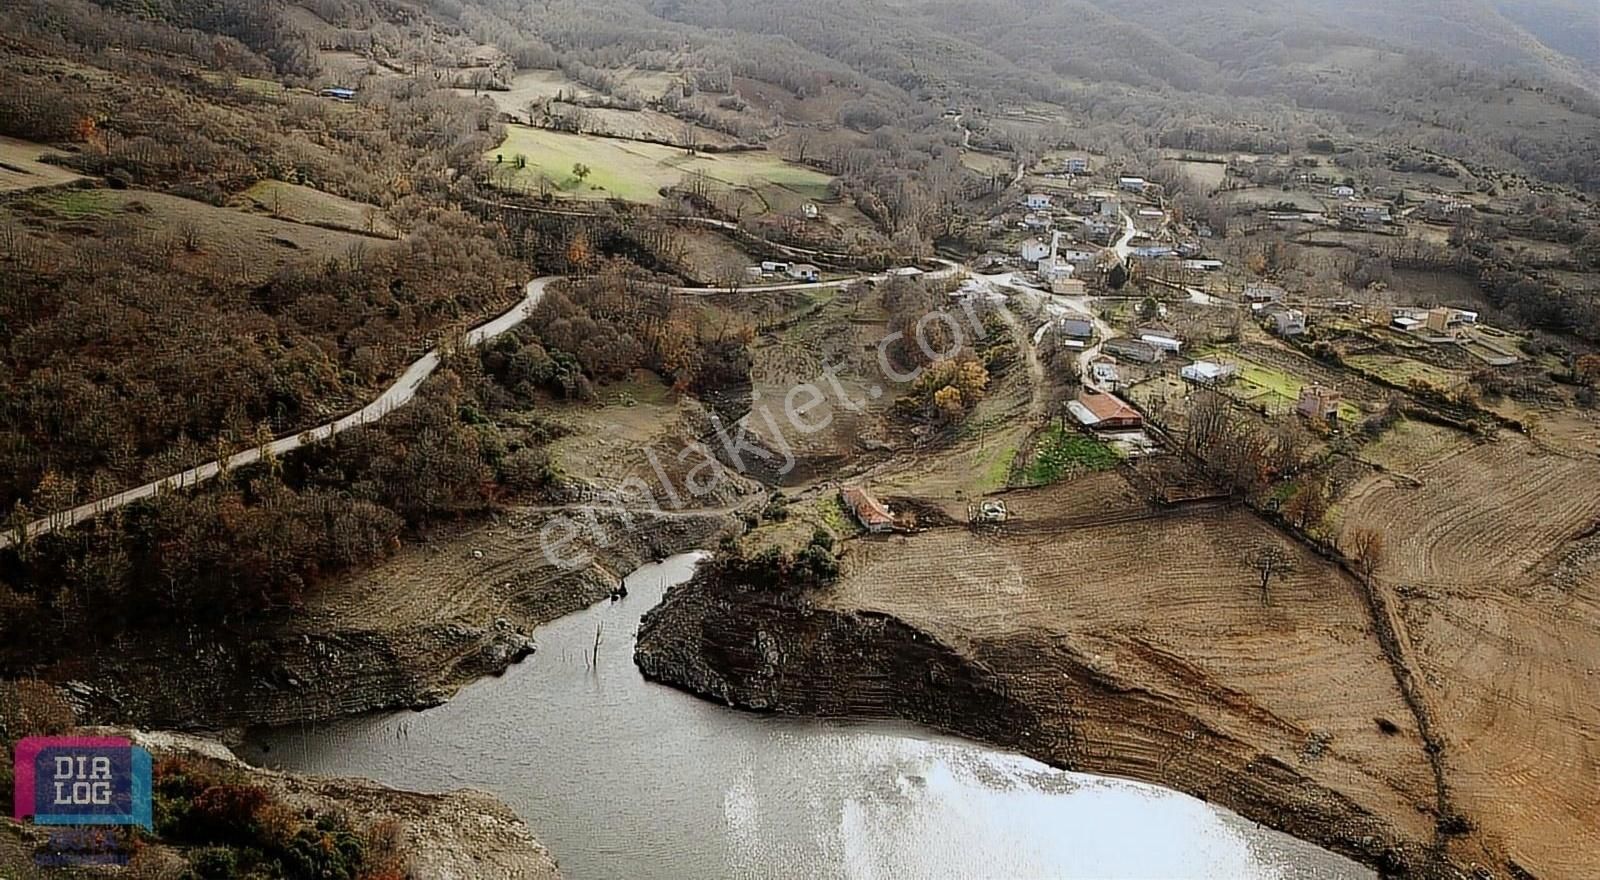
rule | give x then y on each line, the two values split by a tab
82	780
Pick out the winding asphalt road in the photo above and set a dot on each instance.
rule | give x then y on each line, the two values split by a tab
397	395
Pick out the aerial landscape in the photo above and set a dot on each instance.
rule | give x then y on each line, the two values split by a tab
843	438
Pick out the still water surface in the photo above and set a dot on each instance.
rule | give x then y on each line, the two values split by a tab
624	779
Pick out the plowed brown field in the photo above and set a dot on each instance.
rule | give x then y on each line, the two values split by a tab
1495	566
1278	710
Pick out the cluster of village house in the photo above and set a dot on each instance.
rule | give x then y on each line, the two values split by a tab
1077	222
1083	212
1068	227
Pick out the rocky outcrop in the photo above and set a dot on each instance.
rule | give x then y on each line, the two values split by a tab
459	835
767	653
1037	696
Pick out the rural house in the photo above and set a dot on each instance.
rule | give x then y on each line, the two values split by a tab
1407	320
1365	213
1038	201
1104	370
1287	323
1101	411
1342	192
1133	184
1033	250
1443	320
1134	350
1076	165
1075	328
1209	373
1262	292
1161	339
805	272
1445	210
873	515
1319	404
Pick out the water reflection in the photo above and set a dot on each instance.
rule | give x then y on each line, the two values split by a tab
621	778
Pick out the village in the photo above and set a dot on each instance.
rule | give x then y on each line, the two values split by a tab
1139	310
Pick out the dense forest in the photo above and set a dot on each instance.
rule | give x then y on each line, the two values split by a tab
1466	80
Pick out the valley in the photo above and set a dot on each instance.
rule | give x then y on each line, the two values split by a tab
1138	419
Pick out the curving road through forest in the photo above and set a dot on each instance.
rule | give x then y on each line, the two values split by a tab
395	396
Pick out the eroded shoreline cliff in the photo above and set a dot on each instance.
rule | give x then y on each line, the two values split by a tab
1038	696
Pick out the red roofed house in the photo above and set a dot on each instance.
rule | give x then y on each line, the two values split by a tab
1105	412
873	515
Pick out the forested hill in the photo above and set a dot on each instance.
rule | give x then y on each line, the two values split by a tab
1508	84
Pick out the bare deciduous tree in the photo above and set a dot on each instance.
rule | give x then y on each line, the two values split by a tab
1366	550
1270	561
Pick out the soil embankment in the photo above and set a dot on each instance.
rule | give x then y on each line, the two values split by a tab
1282	716
407	634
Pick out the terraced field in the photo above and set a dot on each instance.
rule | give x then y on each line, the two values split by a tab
1403	371
255	243
1488	514
1494	562
1165	610
302	204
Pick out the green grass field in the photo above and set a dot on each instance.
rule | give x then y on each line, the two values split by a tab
1277	391
635	171
77	204
1060	454
1402	371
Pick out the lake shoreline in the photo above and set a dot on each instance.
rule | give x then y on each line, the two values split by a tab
776	653
409	634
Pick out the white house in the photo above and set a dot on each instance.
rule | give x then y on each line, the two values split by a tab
1342	192
1209	373
805	272
1368	213
1133	184
1038	201
1034	250
1104	370
1038	221
1076	165
1161	341
810	211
